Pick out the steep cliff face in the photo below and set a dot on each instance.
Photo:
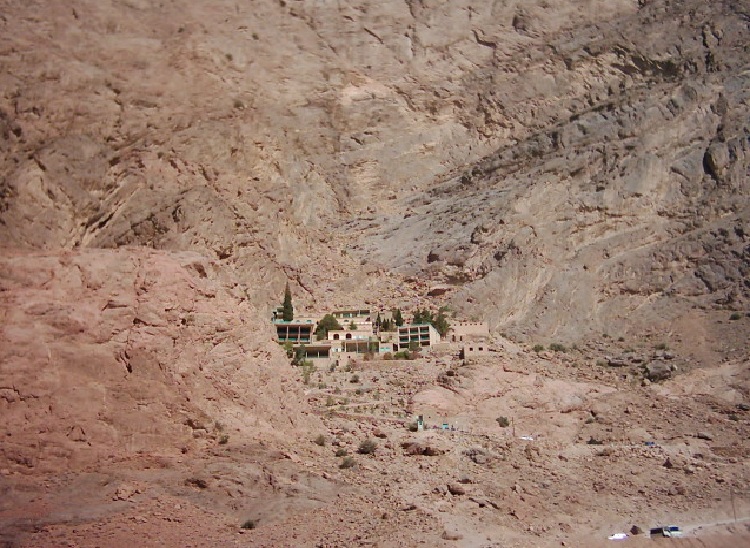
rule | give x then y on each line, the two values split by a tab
621	179
539	157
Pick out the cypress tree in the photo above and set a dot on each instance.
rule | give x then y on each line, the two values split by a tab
397	319
287	312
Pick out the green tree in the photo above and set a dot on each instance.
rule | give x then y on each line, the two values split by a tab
440	323
353	326
378	323
287	311
397	319
299	355
328	323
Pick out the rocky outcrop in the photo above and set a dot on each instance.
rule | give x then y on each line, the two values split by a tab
130	350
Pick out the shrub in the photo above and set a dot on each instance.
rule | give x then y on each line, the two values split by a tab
355	378
330	401
341	452
557	347
249	524
387	356
503	422
328	323
538	348
223	439
367	447
402	355
662	346
413	427
320	440
348	462
289	349
307	371
735	316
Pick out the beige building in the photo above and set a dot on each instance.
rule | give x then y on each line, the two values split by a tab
474	350
417	334
468	331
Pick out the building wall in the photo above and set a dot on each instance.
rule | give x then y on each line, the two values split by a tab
473	350
346	335
468	331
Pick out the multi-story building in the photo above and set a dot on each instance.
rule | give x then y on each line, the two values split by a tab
468	331
298	331
419	335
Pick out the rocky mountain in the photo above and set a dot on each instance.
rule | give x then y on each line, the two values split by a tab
585	159
571	171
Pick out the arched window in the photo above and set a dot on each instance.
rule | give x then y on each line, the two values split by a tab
348	336
335	336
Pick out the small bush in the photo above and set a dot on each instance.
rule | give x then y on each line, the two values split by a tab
348	462
249	524
661	346
387	356
341	452
320	440
223	439
620	339
330	401
402	355
355	378
538	348
557	347
413	427
735	316
367	447
503	422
